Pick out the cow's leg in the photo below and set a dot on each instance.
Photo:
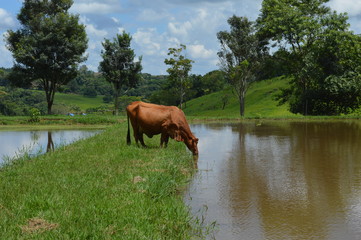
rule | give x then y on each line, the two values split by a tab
141	139
164	140
136	135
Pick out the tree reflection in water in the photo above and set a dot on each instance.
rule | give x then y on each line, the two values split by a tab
50	145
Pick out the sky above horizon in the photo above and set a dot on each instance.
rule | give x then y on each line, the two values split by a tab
158	25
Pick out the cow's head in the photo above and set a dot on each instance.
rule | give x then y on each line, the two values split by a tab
179	134
192	144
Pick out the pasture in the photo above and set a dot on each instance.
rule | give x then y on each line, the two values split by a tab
98	188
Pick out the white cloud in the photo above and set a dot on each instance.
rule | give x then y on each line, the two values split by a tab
95	7
6	20
352	7
91	30
116	20
199	51
6	59
180	29
152	15
149	41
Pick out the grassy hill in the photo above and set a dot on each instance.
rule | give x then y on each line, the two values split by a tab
78	100
260	102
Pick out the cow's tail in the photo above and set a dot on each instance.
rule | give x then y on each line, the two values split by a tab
128	134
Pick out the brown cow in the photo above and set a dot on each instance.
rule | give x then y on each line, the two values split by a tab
152	119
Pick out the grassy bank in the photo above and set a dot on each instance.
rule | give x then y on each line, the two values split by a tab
62	120
98	188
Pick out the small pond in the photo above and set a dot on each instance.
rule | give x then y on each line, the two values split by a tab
15	143
279	180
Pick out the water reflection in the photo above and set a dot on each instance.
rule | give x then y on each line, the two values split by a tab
50	145
15	143
275	180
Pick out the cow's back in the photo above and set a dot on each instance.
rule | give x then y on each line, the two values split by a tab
150	118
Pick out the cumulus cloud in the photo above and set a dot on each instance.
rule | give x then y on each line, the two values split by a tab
180	29
92	30
6	20
153	15
6	58
352	7
199	51
96	7
148	40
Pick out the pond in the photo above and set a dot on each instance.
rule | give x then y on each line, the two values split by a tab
16	143
279	180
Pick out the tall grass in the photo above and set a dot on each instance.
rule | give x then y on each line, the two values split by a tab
98	188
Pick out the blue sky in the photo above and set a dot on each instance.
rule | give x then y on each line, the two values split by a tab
157	25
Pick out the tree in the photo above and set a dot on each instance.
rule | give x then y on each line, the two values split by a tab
320	49
48	47
240	55
118	66
180	66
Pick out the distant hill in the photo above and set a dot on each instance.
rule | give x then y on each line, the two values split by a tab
260	102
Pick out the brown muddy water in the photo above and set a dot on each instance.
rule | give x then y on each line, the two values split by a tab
279	180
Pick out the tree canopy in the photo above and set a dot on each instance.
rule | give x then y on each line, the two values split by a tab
48	47
321	53
240	55
118	66
179	69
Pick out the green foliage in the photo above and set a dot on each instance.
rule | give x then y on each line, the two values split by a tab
34	115
240	55
85	80
180	66
211	82
118	66
260	102
322	54
18	102
89	92
48	47
126	100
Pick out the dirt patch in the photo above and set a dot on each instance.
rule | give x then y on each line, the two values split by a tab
38	225
138	179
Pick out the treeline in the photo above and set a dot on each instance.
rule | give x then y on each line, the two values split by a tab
154	88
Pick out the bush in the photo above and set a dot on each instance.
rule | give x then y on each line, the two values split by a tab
34	115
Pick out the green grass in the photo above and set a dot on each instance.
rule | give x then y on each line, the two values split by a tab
98	188
78	100
62	120
260	102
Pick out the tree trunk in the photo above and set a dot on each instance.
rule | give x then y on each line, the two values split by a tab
241	104
181	96
49	88
116	98
116	103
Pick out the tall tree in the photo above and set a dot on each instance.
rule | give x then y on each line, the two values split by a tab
320	49
118	66
179	69
48	47
240	55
